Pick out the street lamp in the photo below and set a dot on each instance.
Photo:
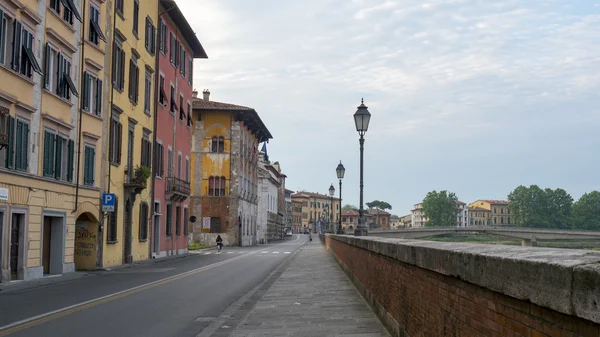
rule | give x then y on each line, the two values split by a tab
340	170
361	119
331	194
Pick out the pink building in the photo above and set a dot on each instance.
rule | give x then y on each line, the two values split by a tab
178	46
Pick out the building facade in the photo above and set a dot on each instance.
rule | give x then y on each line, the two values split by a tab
498	212
379	219
317	210
268	200
51	115
349	220
177	48
289	212
276	229
479	216
297	226
225	171
418	218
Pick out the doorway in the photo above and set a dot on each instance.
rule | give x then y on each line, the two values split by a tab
86	239
156	233
52	245
127	258
16	249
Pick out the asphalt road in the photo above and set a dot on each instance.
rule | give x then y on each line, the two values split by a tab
179	297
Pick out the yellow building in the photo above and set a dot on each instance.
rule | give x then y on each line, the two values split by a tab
317	210
490	213
225	171
49	181
130	126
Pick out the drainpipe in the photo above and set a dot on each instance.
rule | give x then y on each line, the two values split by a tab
79	132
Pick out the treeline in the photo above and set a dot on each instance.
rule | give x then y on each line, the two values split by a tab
548	208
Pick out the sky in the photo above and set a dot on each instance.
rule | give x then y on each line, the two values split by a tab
475	97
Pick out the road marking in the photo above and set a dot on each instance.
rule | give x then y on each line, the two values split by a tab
51	315
287	252
229	252
275	252
264	252
208	253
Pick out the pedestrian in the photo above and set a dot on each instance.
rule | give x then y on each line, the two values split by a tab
219	243
310	237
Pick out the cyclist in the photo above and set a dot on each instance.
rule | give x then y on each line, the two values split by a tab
219	243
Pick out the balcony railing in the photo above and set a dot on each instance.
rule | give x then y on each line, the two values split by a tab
178	187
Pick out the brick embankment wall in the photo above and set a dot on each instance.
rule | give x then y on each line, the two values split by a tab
420	288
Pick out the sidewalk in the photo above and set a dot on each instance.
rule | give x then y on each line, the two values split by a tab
312	297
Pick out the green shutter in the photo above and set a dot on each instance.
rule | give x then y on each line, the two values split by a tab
85	94
58	157
16	45
71	151
18	153
25	146
47	57
11	142
45	152
49	154
98	101
1	34
92	165
86	160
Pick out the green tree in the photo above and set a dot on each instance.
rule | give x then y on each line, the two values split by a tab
440	208
348	207
560	204
586	212
534	207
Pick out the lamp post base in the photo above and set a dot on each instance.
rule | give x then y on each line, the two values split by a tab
361	231
340	231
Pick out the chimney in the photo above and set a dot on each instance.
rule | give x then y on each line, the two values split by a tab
206	95
195	93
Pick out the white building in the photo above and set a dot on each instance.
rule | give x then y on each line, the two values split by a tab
268	198
419	219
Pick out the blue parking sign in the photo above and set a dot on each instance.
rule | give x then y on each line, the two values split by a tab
108	202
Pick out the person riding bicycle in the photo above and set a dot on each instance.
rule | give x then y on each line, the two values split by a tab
219	242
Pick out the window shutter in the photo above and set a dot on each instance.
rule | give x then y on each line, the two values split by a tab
137	84
114	64
59	71
1	33
86	94
18	137
98	109
48	55
49	147
16	47
119	142
10	149
122	70
58	157
71	150
25	147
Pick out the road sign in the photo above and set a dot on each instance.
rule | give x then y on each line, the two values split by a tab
206	224
108	202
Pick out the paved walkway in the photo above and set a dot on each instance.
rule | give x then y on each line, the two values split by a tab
312	297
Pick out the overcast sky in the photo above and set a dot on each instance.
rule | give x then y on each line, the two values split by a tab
475	97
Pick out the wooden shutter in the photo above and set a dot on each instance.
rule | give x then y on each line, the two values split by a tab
98	101
86	92
10	149
59	71
119	142
19	152
16	46
47	69
58	157
25	146
71	155
1	32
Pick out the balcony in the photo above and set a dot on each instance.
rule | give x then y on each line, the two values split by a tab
136	181
177	189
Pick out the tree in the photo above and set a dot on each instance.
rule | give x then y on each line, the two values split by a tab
440	208
348	207
534	207
379	206
586	212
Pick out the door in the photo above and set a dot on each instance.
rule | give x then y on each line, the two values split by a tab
127	233
156	234
15	233
46	236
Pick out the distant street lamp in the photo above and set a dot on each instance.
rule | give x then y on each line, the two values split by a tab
331	194
340	170
361	119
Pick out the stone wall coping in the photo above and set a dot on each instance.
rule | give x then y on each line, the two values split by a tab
565	280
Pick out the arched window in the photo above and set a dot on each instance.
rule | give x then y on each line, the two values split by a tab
222	186
218	144
216	186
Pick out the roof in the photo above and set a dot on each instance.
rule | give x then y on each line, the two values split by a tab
312	195
458	202
376	211
479	209
350	213
179	19
497	202
243	113
274	170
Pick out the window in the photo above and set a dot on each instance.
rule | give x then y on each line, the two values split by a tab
169	220
178	221
118	71
173	100
70	10
16	155
170	163
162	95
4	25
95	33
179	166
218	144
191	72
181	111
508	220
58	157
159	160
501	210
116	134
143	221
163	37
63	85
146	151
216	186
172	49
136	17
186	218
147	92
22	57
187	169
119	6
89	165
215	225
150	41
189	114
134	80
92	94
111	235
183	58
55	5
130	139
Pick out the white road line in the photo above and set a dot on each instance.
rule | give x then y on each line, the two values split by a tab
229	252
208	253
264	252
275	252
287	252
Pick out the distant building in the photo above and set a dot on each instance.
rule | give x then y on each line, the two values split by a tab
479	216
419	219
498	212
349	220
379	219
406	221
289	211
297	226
268	195
317	212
